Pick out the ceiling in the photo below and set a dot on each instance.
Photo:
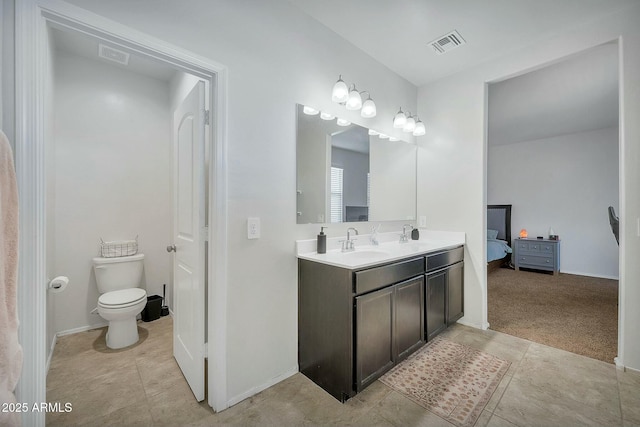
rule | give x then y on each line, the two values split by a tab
397	34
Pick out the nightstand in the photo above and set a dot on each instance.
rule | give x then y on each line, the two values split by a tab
538	254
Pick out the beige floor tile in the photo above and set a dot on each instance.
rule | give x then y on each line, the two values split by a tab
498	393
177	406
99	396
570	376
137	415
496	421
629	386
400	412
159	375
525	404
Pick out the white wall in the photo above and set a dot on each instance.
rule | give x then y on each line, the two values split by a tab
112	177
7	84
451	173
276	57
566	182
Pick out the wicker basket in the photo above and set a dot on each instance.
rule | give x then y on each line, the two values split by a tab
118	248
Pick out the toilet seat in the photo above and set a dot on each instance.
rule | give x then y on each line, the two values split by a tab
122	298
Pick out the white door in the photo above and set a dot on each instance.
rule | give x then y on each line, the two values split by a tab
189	239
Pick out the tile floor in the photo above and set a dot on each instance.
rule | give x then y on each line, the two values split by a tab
142	386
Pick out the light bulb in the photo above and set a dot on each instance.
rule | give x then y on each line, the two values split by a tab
343	122
410	125
399	120
420	129
340	91
383	136
373	132
393	139
326	116
368	109
355	100
310	110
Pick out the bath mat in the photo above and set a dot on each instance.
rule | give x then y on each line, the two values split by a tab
449	379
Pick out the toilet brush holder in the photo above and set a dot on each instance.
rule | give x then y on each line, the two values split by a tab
164	310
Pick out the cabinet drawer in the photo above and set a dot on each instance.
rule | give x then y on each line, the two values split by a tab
547	248
529	246
443	259
378	277
537	261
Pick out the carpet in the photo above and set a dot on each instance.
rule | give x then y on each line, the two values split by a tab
449	379
570	312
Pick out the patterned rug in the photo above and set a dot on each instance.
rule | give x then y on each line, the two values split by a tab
449	379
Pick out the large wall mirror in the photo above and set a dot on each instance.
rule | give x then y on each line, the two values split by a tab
346	175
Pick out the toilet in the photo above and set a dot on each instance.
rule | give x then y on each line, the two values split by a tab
121	298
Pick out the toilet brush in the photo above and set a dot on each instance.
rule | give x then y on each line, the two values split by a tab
164	311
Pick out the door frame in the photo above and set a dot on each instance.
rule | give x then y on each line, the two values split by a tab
32	53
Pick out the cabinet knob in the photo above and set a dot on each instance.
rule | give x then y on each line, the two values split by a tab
548	261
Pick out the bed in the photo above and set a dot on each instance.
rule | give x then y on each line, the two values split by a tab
498	236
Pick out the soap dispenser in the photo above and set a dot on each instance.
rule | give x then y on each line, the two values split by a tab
322	241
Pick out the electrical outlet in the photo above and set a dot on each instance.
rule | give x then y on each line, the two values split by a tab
422	221
253	228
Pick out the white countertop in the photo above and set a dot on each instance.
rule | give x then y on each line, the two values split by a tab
389	249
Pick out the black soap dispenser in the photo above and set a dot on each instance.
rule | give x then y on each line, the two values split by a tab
322	241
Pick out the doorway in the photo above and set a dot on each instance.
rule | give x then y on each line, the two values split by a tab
553	154
33	47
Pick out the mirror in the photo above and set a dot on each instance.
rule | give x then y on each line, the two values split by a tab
346	175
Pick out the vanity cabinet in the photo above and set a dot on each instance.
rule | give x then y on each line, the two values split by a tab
444	290
356	324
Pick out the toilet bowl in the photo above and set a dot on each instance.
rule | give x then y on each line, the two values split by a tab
121	308
121	298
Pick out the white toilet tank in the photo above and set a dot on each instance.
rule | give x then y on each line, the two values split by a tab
113	274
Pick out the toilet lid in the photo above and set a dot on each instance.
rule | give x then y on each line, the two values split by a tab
122	297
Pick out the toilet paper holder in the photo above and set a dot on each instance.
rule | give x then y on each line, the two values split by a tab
58	284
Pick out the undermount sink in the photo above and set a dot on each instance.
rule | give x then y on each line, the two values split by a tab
365	254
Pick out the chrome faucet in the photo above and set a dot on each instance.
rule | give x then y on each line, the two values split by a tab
373	238
347	245
404	237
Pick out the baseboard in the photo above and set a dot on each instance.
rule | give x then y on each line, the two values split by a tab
621	367
599	276
273	381
483	326
82	329
53	346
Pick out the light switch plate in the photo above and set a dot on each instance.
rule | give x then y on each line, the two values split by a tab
253	228
422	221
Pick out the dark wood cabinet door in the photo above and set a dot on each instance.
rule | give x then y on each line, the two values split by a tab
374	335
409	317
436	285
455	293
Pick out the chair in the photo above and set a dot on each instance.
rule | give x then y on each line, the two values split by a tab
614	222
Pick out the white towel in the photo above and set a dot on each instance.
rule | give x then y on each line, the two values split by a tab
10	349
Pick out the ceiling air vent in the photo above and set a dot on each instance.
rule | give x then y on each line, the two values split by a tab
112	54
447	42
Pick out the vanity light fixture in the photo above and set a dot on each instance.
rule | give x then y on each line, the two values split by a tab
383	136
410	125
340	92
420	129
393	139
368	107
399	120
351	98
373	132
310	110
343	122
326	116
354	102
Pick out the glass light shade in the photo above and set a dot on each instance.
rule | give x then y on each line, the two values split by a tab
383	136
310	110
368	109
326	116
399	120
355	100
373	132
410	125
343	122
420	129
340	91
393	139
